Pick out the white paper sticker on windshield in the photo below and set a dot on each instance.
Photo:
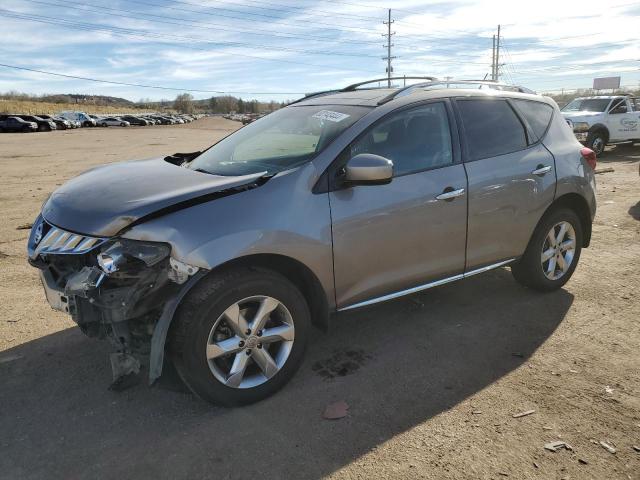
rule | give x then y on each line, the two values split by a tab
331	116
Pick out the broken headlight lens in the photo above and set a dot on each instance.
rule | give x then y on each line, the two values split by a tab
123	253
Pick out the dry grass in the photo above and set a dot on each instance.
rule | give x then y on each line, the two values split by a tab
35	108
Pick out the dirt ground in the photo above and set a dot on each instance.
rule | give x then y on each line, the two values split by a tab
432	380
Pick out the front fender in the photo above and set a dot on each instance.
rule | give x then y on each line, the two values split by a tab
282	217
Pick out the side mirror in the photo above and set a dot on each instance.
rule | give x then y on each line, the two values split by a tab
368	169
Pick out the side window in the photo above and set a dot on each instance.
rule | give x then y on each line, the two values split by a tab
619	105
414	139
491	128
537	114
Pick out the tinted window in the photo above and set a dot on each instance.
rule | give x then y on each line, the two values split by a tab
414	139
537	115
491	128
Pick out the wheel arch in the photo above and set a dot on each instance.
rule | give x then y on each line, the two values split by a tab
295	271
600	127
579	205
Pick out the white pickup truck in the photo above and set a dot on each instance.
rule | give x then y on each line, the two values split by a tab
598	121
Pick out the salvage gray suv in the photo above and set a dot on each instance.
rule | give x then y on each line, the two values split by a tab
221	261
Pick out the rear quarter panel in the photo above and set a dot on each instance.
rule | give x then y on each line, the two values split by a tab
574	175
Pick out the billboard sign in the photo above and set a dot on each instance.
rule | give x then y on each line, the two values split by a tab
605	83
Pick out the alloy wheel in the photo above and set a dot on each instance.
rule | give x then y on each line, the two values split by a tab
558	250
250	342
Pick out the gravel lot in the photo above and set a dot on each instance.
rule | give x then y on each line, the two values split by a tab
432	380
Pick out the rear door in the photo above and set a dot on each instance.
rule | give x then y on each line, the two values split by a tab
391	238
511	175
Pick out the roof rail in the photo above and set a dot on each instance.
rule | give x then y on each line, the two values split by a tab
446	83
307	96
353	87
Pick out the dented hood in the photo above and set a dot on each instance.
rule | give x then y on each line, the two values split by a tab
104	200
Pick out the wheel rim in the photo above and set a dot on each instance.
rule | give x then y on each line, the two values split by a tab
558	250
598	145
250	342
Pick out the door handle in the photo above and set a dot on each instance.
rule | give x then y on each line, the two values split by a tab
542	170
449	194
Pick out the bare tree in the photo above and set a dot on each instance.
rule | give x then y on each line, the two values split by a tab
184	103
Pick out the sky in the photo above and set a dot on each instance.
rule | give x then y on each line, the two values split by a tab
283	49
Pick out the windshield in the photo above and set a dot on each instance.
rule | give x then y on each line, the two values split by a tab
279	141
587	105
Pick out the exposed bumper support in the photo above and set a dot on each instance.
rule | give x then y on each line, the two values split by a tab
159	337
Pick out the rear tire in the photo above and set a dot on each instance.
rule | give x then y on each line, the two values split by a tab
553	252
209	344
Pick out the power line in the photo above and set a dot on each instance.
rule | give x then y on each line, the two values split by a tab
146	34
138	85
244	18
208	26
219	42
289	8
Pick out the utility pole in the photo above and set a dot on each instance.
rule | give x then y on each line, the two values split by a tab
493	59
388	46
498	56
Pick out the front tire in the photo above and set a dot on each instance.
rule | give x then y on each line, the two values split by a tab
553	252
596	141
240	336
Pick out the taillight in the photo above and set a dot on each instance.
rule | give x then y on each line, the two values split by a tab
590	156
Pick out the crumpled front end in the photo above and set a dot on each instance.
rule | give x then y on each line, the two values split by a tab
113	288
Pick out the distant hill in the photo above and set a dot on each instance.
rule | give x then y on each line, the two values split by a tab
74	98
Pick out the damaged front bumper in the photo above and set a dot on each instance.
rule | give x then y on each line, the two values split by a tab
116	289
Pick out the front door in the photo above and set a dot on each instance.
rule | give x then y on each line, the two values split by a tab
623	121
399	236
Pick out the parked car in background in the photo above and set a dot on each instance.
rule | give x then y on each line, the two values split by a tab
61	123
96	119
113	122
149	119
598	121
435	183
44	125
16	124
82	117
164	120
133	120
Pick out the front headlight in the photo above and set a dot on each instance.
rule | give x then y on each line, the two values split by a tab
580	127
123	253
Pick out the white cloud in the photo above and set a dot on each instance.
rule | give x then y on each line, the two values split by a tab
549	41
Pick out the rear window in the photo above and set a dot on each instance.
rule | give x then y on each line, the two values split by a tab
537	114
491	128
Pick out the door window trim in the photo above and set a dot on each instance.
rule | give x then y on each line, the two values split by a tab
328	179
